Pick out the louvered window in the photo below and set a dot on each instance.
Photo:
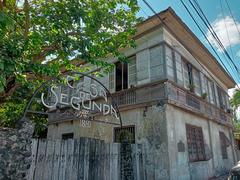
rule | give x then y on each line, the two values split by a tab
124	134
169	62
196	81
195	143
132	72
156	63
186	75
179	70
221	98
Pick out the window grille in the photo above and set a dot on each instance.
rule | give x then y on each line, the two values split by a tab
195	143
124	134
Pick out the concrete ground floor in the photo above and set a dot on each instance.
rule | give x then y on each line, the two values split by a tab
182	144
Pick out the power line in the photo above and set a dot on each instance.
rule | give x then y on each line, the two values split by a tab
213	33
233	17
149	6
226	29
206	38
155	13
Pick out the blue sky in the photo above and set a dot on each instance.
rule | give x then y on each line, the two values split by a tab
219	20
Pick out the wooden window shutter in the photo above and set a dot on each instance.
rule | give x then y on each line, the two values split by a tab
132	72
196	81
143	67
169	63
156	63
179	70
112	80
186	75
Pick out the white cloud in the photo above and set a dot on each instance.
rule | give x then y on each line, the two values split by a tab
232	90
219	26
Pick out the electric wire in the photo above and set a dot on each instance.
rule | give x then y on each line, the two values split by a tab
233	17
213	33
207	39
226	29
150	7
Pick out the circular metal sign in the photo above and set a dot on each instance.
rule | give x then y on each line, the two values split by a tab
74	96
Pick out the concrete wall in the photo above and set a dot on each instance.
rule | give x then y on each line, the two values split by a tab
180	166
150	130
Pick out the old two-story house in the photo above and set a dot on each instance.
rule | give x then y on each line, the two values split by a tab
172	96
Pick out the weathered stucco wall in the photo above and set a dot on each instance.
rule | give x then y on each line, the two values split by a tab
180	166
15	152
150	131
162	131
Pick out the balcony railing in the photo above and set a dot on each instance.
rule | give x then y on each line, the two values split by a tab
174	95
139	95
168	92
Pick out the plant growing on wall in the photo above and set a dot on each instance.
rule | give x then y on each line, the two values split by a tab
41	39
204	95
191	87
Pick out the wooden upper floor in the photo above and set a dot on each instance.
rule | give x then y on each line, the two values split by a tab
170	65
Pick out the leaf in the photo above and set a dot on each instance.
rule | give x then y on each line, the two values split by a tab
1	65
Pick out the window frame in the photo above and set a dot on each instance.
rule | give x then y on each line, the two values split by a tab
132	58
133	129
223	144
123	66
195	142
66	136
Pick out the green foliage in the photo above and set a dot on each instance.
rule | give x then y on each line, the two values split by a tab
204	95
40	39
10	113
235	101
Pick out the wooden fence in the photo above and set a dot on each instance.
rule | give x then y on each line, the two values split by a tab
86	159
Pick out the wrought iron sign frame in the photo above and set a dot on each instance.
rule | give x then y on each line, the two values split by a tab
82	75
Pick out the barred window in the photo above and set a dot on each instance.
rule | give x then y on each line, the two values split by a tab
224	144
124	134
195	143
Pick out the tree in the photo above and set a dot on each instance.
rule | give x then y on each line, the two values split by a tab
235	103
40	39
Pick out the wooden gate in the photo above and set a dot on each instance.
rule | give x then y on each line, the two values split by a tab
86	159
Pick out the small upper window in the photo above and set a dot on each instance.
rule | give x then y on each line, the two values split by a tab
124	134
67	136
